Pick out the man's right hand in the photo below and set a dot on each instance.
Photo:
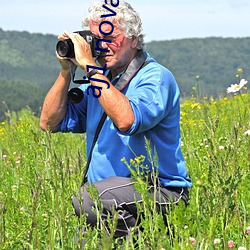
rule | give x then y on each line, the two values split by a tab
66	63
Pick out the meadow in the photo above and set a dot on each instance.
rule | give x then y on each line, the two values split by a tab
40	172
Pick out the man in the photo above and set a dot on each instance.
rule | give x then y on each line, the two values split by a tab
144	106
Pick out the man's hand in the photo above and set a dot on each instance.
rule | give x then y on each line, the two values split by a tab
66	63
83	54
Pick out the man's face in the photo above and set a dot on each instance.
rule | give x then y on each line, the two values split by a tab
121	48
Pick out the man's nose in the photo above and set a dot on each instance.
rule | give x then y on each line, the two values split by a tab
104	45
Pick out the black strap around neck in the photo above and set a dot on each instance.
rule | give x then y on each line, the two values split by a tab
97	132
136	64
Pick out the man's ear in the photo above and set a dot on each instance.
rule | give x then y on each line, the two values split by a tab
134	42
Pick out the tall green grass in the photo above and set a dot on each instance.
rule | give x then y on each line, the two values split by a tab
40	172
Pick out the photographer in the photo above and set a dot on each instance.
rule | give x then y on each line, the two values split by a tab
142	102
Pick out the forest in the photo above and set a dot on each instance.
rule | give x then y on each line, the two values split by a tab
202	67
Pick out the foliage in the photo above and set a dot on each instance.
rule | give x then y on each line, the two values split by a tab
28	68
14	95
40	172
28	58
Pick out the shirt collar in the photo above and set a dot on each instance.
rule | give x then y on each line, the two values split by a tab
116	79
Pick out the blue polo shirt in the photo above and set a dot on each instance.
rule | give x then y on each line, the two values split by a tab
154	97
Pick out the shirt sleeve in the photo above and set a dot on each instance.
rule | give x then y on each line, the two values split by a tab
154	96
75	117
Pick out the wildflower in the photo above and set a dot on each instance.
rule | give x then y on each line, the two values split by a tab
237	87
123	160
192	240
138	160
14	188
230	244
45	216
195	106
240	70
22	210
242	248
132	162
216	241
221	147
247	133
248	230
198	182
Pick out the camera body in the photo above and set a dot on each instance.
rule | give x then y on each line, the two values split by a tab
65	48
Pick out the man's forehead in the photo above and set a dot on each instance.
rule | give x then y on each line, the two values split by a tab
104	26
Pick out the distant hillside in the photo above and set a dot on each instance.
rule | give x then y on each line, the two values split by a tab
28	57
210	64
28	66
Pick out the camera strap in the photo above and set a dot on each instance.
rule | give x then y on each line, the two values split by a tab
136	64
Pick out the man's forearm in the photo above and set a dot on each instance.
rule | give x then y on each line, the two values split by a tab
115	104
55	103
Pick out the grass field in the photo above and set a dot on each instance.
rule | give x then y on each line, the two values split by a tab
40	172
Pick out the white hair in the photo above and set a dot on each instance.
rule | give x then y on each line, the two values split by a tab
126	17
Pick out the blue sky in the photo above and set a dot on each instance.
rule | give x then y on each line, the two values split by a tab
162	19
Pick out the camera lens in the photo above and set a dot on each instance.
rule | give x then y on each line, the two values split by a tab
65	48
75	95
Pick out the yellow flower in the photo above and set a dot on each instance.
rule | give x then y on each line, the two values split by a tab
183	113
138	160
240	70
132	162
195	105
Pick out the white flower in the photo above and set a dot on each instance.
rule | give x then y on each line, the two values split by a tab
217	241
22	210
237	87
247	133
242	248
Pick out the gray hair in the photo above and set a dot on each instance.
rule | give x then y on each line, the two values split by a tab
126	17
